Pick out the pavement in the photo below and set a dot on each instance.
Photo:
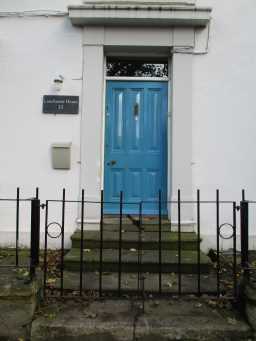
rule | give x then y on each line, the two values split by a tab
92	319
186	319
18	303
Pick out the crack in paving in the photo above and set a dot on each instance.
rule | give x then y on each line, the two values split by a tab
139	311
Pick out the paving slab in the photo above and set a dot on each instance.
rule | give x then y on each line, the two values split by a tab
101	321
124	320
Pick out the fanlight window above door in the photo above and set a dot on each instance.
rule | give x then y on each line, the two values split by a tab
117	67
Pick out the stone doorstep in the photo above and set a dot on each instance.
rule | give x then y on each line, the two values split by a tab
114	219
127	226
150	239
129	283
149	263
120	320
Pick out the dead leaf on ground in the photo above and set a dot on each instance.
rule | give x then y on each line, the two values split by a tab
198	305
90	315
231	320
51	280
155	304
212	303
50	316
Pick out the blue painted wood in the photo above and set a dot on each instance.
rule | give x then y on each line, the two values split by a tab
135	145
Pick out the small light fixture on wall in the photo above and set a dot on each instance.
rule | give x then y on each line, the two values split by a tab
58	82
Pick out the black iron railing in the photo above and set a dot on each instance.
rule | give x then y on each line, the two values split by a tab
217	269
30	259
225	271
248	256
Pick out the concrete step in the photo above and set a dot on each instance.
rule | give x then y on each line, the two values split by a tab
149	261
127	219
129	282
150	239
111	222
146	226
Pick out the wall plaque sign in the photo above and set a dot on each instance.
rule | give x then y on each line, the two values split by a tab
60	104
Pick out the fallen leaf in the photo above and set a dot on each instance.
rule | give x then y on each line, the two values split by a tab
212	303
50	316
198	305
90	315
25	274
231	320
155	304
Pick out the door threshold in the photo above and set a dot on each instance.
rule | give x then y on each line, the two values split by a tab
134	219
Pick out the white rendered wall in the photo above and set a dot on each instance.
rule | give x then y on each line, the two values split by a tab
33	51
224	111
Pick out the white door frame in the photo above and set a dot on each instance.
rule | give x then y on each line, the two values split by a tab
97	43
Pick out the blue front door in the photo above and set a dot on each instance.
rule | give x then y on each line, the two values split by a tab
136	145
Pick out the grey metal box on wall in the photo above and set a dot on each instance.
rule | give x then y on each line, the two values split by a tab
61	155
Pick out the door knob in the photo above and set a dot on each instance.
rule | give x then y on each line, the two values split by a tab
111	163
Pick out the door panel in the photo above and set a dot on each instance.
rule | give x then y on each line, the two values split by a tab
118	120
152	122
135	145
135	120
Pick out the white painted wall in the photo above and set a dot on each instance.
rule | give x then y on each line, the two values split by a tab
224	112
33	50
